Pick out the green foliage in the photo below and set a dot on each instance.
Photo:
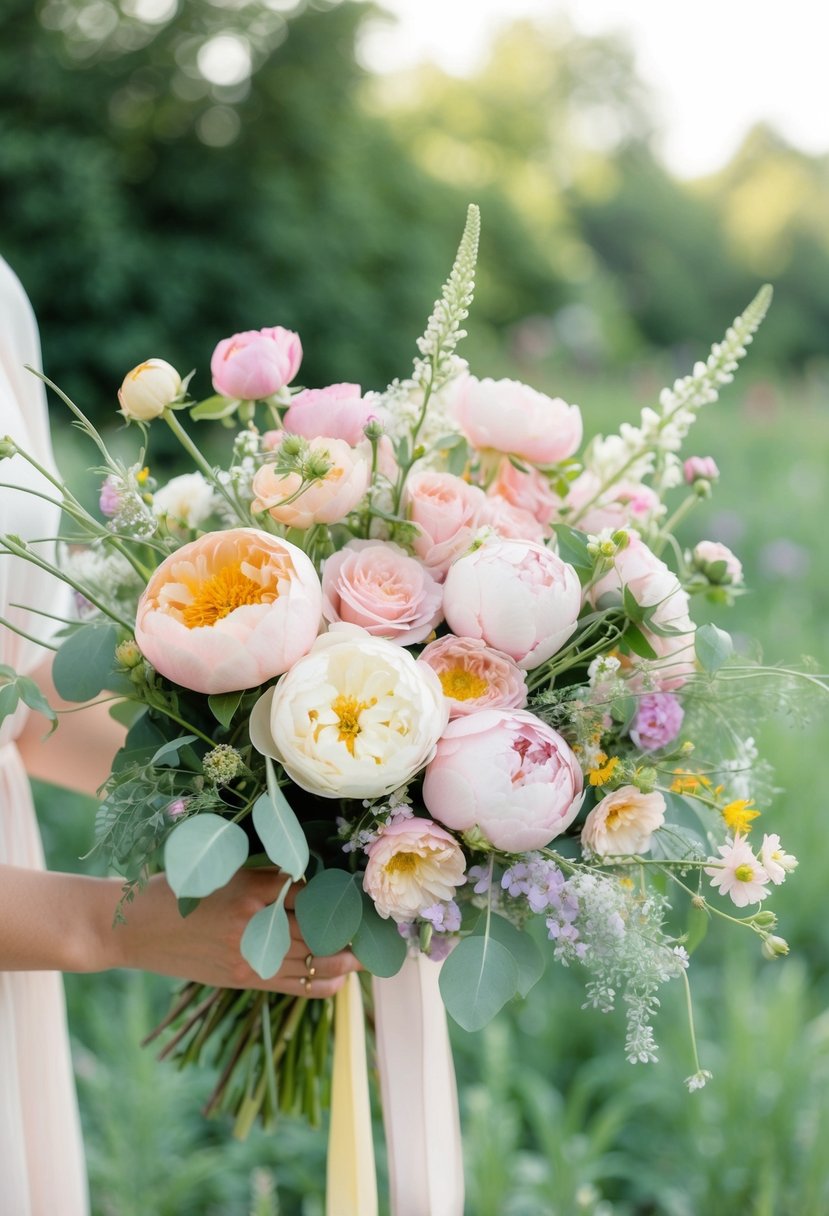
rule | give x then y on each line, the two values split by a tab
713	647
377	943
83	666
202	854
267	937
329	910
477	980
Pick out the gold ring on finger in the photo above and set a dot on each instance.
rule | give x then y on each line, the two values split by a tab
306	985
309	965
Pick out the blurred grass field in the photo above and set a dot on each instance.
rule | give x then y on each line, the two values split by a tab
556	1122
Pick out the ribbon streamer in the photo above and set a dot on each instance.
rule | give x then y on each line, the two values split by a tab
351	1184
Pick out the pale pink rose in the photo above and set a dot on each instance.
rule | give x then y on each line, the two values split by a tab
412	865
377	585
507	773
700	468
625	504
653	585
473	676
530	491
229	611
326	500
623	822
256	363
517	596
511	523
447	512
709	553
338	412
512	417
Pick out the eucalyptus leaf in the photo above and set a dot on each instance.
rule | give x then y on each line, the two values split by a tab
713	646
477	980
213	408
635	640
267	937
224	705
34	698
187	905
83	667
202	854
377	943
329	910
167	754
9	699
279	829
523	948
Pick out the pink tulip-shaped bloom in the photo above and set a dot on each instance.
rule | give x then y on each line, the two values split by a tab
229	611
412	865
700	468
512	417
529	491
507	773
448	513
338	412
473	676
511	523
326	500
654	586
256	363
627	504
377	585
516	596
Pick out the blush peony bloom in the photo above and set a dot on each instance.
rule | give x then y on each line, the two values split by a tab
510	522
708	556
412	865
507	773
337	412
627	504
148	389
355	718
326	500
448	514
517	596
512	417
530	491
623	822
376	585
473	676
658	721
256	363
229	611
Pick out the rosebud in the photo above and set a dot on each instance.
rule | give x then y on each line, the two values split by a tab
774	947
700	468
373	430
148	389
127	653
716	561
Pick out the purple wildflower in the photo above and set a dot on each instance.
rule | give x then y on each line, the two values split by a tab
658	721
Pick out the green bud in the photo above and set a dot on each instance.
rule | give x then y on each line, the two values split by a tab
645	779
702	488
774	947
425	936
7	447
763	919
316	467
291	445
621	539
127	653
373	430
476	840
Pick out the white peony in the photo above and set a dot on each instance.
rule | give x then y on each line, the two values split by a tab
354	718
186	500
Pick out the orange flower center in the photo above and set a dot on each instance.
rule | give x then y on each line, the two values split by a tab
348	710
402	863
220	594
462	685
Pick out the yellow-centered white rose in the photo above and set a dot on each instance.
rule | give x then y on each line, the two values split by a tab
357	717
148	389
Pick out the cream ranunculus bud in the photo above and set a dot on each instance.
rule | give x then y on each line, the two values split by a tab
148	389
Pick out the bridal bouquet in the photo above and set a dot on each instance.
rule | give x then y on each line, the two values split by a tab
435	660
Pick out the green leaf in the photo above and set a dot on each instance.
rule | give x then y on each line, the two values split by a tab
636	641
329	911
224	705
717	572
524	949
167	754
34	698
187	905
572	546
9	699
213	408
714	647
458	459
377	943
633	610
83	665
202	854
279	829
267	937
125	712
477	980
623	710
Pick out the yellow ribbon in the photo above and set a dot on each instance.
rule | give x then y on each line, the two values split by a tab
351	1180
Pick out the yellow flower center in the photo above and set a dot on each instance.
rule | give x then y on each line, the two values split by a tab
220	594
348	710
402	863
462	685
744	873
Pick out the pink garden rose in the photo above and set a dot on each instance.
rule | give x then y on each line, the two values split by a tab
377	585
507	773
229	611
509	522
256	363
708	555
530	491
627	504
338	412
622	823
512	417
517	596
473	676
448	514
326	500
412	865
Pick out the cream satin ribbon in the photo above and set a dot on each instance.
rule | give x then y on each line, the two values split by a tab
351	1183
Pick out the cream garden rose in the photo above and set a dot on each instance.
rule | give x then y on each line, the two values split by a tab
357	717
148	389
413	864
623	822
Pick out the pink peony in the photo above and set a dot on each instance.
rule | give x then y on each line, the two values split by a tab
507	773
375	584
473	676
338	412
658	721
448	514
622	823
256	363
412	865
530	491
517	596
512	417
229	610
511	523
326	500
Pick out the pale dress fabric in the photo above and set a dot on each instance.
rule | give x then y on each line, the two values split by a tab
42	1169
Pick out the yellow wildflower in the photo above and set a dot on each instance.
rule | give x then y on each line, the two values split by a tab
684	782
738	815
603	769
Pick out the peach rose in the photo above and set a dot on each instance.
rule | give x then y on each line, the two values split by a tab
512	417
326	500
530	491
337	412
229	611
473	676
448	514
412	865
623	822
375	584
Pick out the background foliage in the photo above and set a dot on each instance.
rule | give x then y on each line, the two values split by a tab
151	210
